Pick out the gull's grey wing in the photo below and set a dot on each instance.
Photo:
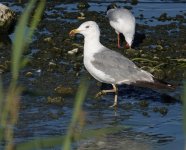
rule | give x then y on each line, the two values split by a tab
118	67
119	13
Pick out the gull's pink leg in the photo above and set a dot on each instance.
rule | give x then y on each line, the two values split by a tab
118	41
114	90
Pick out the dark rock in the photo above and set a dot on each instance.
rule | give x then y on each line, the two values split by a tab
8	19
163	111
64	90
134	2
55	100
145	114
143	104
155	109
83	5
164	17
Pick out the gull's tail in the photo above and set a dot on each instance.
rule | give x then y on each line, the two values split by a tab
170	93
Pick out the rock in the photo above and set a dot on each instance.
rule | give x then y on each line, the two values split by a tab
82	16
29	74
63	90
8	19
163	17
47	39
141	16
179	17
159	47
55	100
73	51
101	144
143	104
155	109
128	106
134	2
51	66
163	111
83	5
145	114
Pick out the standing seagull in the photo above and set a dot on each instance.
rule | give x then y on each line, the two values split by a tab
108	66
123	22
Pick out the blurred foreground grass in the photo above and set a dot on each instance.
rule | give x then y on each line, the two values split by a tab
184	109
10	98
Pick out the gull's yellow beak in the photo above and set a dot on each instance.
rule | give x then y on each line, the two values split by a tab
73	32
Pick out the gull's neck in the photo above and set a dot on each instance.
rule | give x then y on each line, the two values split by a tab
92	45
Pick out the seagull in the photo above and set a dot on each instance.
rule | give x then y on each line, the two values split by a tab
8	19
123	22
108	66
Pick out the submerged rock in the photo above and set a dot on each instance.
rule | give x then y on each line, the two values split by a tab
7	19
63	90
83	5
55	100
134	2
163	111
164	17
143	104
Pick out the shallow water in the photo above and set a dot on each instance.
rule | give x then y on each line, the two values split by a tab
149	128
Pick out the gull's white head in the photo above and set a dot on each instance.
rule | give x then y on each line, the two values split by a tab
88	29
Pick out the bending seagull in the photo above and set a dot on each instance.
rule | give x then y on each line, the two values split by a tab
123	22
108	66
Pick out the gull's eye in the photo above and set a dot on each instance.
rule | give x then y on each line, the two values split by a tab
87	27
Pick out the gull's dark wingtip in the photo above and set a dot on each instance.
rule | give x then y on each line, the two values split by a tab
157	84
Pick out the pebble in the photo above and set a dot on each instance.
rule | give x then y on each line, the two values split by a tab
73	51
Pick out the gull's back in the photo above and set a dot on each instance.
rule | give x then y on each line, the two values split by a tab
119	68
121	20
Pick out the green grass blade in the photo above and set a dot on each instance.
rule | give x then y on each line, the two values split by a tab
144	60
1	96
19	41
36	19
184	107
9	111
80	97
1	108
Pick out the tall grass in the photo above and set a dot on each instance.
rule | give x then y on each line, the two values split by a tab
10	98
9	102
184	110
80	96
